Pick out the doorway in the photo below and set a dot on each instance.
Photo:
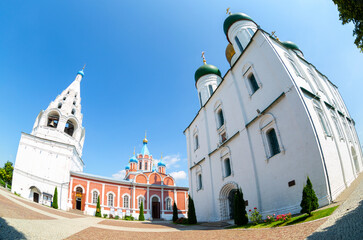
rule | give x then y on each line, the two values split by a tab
155	208
79	192
36	197
231	195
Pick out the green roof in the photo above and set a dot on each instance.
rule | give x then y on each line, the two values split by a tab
206	69
234	18
290	45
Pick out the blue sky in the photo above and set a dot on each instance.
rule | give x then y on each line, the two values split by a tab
141	58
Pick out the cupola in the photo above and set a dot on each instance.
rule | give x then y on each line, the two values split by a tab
293	47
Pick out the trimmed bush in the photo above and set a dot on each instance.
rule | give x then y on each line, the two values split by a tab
105	215
175	212
98	208
240	214
309	201
192	218
141	215
55	199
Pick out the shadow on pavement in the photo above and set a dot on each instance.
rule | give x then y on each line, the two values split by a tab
350	226
8	232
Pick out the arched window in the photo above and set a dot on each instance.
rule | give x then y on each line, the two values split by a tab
69	128
73	111
210	87
220	118
253	83
140	200
53	119
273	142
227	167
168	204
238	44
126	201
145	165
94	197
336	123
59	105
200	183
200	99
293	65
110	200
196	142
322	118
140	165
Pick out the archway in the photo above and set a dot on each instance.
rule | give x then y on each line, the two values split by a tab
155	207
355	160
35	194
79	194
226	200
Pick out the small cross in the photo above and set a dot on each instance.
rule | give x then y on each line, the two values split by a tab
203	58
273	34
228	12
84	67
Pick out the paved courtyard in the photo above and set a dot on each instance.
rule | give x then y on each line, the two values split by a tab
22	219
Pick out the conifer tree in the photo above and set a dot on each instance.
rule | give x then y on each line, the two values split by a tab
175	212
240	214
192	218
141	215
55	199
98	208
309	201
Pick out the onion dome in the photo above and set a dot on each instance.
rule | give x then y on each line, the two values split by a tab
290	45
161	164
145	140
81	72
234	18
230	52
127	167
206	69
133	159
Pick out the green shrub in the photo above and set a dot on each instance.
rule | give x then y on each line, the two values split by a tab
175	212
98	208
309	201
55	199
105	215
141	215
240	214
255	216
192	218
182	221
129	218
117	217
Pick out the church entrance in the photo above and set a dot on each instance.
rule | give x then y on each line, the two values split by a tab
231	195
79	198
36	197
155	208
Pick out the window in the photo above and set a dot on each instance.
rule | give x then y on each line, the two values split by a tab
347	131
250	31
126	201
145	165
140	165
253	83
59	105
53	119
64	98
336	123
74	103
94	197
110	200
273	142
69	128
73	111
220	118
141	200
322	118
168	204
196	142
317	82
200	99
292	63
200	183
227	167
210	87
238	44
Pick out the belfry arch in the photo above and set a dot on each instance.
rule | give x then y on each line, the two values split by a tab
226	200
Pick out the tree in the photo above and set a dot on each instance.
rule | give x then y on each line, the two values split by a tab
309	201
352	11
192	218
240	214
98	208
141	215
55	199
6	173
175	212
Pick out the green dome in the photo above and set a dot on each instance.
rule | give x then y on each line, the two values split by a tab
234	18
290	45
206	69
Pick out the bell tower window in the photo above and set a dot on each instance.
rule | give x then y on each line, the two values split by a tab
53	120
69	129
59	105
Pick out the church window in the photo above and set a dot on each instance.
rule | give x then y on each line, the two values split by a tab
141	200
110	200
196	142
322	118
53	119
200	99
59	105
250	31
253	83
73	111
316	81
64	98
336	123
210	87
227	167
200	183
69	128
293	65
126	201
145	165
238	44
347	132
273	142
94	197
140	165
74	103
168	204
220	118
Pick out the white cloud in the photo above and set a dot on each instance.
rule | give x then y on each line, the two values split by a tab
179	175
171	161
120	175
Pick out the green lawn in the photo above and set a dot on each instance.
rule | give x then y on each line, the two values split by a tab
294	220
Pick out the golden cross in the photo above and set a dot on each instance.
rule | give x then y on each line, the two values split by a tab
84	67
134	150
273	34
204	61
161	156
228	12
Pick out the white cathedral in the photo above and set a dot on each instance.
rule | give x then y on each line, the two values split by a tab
46	157
269	123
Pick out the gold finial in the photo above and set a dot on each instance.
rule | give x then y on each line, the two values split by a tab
204	61
228	12
145	140
161	156
273	34
134	150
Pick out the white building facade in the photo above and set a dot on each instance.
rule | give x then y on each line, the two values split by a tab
46	157
272	121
